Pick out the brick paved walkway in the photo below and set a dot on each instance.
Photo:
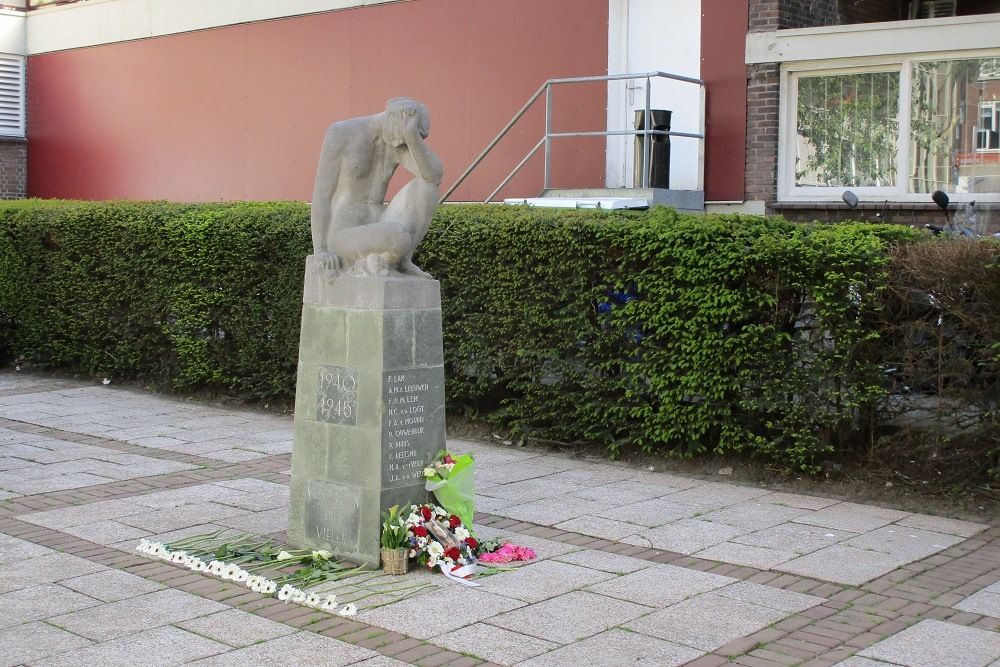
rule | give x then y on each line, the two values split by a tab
634	567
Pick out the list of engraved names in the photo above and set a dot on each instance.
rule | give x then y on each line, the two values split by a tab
406	401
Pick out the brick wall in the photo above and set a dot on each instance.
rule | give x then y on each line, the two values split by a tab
762	133
13	169
781	14
762	80
870	11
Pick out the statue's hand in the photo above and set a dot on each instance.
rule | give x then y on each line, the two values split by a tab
328	266
411	126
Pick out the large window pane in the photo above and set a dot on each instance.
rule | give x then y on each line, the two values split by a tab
954	142
847	127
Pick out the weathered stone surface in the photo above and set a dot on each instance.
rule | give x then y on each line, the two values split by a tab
369	408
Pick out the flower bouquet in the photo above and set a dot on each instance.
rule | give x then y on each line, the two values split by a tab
451	481
395	543
439	539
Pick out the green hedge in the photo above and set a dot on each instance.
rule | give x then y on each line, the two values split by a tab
643	330
175	295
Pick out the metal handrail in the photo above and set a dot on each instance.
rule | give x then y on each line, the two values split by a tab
549	134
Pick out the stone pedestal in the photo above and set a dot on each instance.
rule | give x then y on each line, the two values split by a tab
369	408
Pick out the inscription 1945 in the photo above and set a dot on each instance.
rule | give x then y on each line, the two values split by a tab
337	395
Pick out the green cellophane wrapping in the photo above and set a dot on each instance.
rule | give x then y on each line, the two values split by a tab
457	493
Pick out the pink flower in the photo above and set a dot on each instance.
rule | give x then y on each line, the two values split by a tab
507	553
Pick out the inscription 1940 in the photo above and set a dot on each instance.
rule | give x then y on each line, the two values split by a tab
337	395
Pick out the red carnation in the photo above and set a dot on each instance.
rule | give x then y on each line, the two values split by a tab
471	541
454	521
420	531
453	553
426	513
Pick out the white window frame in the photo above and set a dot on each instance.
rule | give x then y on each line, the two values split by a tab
787	125
994	116
12	95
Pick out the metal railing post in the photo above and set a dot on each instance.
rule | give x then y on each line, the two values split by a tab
548	133
647	147
647	132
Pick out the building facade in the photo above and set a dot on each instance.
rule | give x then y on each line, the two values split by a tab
229	100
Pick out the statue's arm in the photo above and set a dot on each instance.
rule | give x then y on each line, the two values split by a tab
418	158
327	176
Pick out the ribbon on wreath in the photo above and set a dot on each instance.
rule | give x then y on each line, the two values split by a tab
462	574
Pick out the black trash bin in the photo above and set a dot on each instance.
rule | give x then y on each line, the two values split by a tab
659	154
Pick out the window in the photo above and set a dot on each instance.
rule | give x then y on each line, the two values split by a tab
988	130
896	130
846	130
11	96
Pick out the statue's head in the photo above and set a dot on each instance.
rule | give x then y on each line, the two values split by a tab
397	112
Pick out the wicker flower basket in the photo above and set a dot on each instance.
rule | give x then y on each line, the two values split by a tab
394	561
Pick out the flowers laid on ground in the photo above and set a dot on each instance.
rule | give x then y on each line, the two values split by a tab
439	539
451	481
240	557
506	553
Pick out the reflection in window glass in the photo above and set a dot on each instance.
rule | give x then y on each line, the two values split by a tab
848	126
954	144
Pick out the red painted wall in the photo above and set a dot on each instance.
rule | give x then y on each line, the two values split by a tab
724	25
238	113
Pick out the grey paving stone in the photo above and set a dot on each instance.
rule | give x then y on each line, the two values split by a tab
858	661
600	527
571	617
735	553
135	614
715	495
31	642
853	517
159	647
11	482
661	585
381	661
795	537
192	495
707	621
983	602
685	536
541	580
439	612
751	516
236	628
650	513
301	648
495	644
111	585
491	505
14	549
529	490
625	492
904	541
604	561
270	521
174	518
798	500
844	565
767	596
44	570
65	517
550	511
38	602
939	524
106	532
616	648
933	643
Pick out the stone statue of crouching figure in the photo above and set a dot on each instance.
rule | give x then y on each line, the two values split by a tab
352	229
